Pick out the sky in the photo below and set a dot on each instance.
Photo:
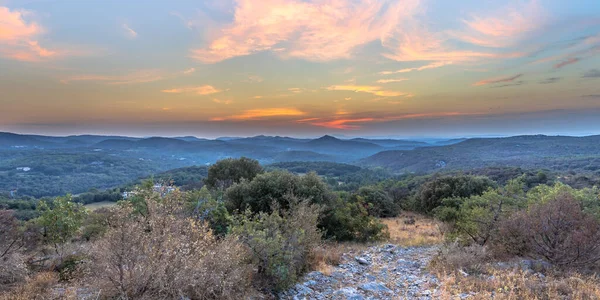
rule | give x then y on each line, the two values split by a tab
401	68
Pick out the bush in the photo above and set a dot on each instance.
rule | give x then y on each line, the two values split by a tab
14	269
380	204
281	243
206	208
226	172
349	220
431	193
453	256
164	255
557	230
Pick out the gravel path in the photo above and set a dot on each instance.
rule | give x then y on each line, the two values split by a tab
380	272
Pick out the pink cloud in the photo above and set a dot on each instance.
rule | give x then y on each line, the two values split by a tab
503	27
316	31
18	37
497	80
567	62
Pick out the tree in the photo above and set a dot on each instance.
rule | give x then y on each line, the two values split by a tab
226	172
61	221
432	193
379	203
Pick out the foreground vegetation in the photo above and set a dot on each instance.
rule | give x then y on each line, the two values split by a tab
245	231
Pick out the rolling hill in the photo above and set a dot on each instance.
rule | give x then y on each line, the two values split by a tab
537	151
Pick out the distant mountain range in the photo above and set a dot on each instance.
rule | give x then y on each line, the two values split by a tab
267	149
530	151
44	165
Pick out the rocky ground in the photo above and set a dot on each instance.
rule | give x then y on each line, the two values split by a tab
380	272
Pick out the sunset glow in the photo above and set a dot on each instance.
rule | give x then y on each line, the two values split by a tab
292	67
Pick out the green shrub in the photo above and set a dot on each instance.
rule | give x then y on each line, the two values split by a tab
349	220
281	243
431	193
379	203
226	172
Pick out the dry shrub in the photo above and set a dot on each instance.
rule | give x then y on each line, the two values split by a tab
557	231
454	257
325	256
12	269
162	255
37	287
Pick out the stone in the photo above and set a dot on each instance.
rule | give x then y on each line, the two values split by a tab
376	287
362	261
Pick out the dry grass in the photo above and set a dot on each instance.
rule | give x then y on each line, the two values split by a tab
518	284
424	231
329	255
98	205
37	287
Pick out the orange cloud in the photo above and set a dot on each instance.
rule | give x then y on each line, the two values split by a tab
200	90
254	114
343	123
497	80
316	31
566	62
355	123
391	80
375	90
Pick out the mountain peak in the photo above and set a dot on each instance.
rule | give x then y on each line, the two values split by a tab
327	138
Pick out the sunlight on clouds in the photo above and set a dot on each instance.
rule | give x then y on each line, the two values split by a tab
497	80
504	27
254	114
425	67
375	90
347	124
18	37
200	90
391	80
317	31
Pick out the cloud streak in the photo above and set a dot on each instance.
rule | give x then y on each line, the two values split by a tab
384	81
375	90
129	32
258	114
425	67
497	80
141	76
567	62
199	90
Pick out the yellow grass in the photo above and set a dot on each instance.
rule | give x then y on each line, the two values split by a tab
424	232
517	284
98	205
